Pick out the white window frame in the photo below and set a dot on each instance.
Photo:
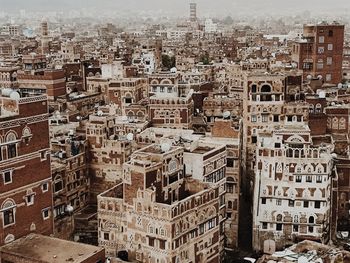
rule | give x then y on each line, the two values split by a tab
32	195
42	187
11	175
48	213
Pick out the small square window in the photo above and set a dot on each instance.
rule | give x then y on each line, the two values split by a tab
106	236
295	228
253	118
43	155
264	225
306	204
291	203
329	60
279	227
318	179
298	178
45	187
46	213
330	47
263	200
317	204
254	139
321	39
30	199
7	177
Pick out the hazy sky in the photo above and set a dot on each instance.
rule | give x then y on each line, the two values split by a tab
181	6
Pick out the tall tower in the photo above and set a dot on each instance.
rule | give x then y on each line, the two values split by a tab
193	12
44	36
44	28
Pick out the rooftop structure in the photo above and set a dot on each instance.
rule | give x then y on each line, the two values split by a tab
36	248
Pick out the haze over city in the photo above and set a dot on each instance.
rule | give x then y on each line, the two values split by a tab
178	7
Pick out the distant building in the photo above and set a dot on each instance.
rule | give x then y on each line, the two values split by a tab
210	26
320	52
8	77
50	82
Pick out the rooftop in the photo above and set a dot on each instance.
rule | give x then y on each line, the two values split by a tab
49	249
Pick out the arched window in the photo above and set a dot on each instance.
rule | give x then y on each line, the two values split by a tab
279	222
335	124
342	123
311	108
265	88
26	132
279	218
12	145
8	209
318	108
296	219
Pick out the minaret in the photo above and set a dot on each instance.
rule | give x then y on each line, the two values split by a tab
193	12
44	36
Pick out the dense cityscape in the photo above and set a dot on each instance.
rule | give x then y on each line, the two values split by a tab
154	137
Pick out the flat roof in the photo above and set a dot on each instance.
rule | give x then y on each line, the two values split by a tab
49	249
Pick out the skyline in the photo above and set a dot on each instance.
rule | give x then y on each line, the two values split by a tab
180	7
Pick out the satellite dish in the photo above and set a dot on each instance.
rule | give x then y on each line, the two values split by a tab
173	70
340	86
15	95
71	132
69	209
124	118
165	147
6	92
309	77
226	114
138	130
319	77
130	136
99	113
322	94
